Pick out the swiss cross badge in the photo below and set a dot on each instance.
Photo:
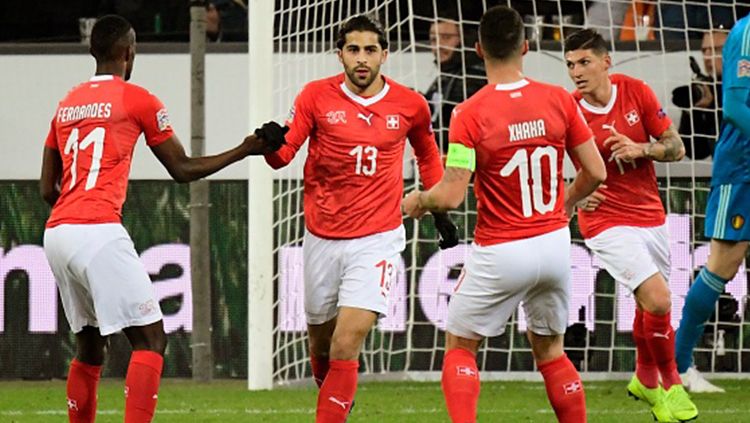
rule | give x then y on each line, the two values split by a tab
572	387
392	122
632	117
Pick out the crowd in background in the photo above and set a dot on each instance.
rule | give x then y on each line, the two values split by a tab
449	26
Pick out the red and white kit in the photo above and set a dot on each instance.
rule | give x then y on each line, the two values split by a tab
102	282
353	186
520	133
627	231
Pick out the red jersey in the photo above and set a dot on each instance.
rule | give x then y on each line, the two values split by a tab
632	195
95	129
354	168
519	133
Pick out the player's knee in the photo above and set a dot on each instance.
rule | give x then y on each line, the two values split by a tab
92	355
346	346
658	303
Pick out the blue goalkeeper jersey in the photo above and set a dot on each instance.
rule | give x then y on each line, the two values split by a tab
732	153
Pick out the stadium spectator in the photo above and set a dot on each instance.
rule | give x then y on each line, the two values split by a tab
521	251
103	285
607	16
357	123
460	72
623	222
700	118
728	204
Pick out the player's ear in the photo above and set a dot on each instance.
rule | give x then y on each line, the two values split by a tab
339	53
384	57
525	47
607	60
478	48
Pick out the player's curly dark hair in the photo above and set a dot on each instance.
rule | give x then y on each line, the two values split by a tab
501	32
109	35
586	39
362	23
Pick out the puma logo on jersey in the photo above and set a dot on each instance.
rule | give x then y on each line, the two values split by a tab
365	118
525	130
336	401
336	117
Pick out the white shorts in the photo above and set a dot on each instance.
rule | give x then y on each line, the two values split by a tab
102	281
535	271
632	254
350	273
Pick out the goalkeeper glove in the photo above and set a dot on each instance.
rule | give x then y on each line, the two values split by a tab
273	135
447	230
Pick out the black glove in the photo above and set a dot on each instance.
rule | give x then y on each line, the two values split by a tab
273	135
447	230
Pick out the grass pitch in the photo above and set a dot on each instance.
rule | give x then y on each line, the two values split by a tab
229	401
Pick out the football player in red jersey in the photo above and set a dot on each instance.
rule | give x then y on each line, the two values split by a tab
357	123
512	135
103	285
623	222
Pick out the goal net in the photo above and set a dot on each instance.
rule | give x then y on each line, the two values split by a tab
431	50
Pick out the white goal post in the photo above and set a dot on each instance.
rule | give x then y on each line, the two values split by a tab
292	42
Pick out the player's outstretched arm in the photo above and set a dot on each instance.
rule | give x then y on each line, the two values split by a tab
49	182
182	168
446	195
591	174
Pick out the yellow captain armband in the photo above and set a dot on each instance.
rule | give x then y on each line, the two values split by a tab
461	156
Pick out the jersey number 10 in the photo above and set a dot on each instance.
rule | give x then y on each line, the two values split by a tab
532	191
96	137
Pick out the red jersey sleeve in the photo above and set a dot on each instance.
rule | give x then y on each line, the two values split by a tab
463	129
152	117
422	139
51	140
655	119
578	131
301	121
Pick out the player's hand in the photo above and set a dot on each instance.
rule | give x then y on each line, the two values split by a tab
269	138
410	205
623	148
593	201
447	230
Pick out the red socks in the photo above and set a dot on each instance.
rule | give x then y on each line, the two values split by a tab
142	386
83	380
660	340
564	390
461	385
320	367
337	392
645	366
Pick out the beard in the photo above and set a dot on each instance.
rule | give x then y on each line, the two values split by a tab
360	82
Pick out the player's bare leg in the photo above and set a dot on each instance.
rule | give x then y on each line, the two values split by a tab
564	387
460	380
723	263
653	298
144	371
83	376
320	349
340	385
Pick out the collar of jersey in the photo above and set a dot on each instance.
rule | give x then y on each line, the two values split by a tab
512	86
601	110
362	100
96	78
